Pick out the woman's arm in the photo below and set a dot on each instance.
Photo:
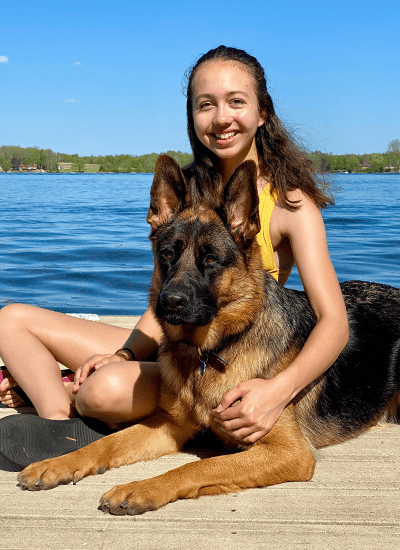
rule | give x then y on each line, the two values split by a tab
262	401
145	338
306	232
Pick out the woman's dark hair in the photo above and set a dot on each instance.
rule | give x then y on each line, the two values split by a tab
280	158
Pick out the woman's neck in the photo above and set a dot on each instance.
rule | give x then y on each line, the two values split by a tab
227	166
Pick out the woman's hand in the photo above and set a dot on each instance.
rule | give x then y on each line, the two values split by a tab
260	406
92	364
7	395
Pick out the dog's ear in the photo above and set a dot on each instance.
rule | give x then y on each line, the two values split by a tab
169	191
240	203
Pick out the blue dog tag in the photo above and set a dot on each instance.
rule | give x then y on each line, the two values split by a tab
203	358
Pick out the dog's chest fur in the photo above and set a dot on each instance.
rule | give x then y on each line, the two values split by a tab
187	388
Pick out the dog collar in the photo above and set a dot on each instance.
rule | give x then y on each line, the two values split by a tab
203	358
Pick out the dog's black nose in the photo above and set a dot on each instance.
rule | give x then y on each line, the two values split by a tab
173	301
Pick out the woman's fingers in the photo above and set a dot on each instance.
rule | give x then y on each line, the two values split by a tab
228	399
8	381
90	365
11	399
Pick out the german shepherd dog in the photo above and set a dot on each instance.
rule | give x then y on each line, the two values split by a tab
226	321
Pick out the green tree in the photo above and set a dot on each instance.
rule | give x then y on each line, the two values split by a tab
393	160
336	162
393	154
394	146
42	160
33	157
324	166
6	165
78	164
377	162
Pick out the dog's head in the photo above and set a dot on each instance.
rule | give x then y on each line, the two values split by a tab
200	254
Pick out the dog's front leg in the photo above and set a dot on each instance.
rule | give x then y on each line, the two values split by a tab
152	438
283	455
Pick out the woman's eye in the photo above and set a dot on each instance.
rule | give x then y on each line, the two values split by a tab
204	105
237	102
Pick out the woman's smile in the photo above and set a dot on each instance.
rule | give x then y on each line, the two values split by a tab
225	138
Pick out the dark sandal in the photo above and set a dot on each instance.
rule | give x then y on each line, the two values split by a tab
26	438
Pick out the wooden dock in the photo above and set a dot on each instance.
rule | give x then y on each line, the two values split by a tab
353	502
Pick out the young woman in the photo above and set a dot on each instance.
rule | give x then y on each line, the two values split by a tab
231	118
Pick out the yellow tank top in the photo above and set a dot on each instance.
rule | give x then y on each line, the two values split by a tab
266	204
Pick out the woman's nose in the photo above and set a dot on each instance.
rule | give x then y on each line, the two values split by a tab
223	115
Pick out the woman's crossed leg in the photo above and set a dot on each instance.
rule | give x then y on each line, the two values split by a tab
33	340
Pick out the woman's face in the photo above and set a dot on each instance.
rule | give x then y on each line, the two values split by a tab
225	109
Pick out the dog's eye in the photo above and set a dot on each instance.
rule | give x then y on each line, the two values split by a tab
210	259
168	255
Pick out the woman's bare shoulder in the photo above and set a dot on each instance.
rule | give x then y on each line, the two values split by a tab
304	213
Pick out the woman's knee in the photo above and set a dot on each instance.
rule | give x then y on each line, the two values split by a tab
119	394
14	313
15	320
22	317
97	397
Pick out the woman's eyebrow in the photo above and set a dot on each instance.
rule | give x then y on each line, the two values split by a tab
230	93
234	92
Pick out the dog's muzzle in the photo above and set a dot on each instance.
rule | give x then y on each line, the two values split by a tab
176	307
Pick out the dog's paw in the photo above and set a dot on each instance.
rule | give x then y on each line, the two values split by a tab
47	475
132	499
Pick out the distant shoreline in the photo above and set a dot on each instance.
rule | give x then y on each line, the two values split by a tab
65	173
35	159
70	173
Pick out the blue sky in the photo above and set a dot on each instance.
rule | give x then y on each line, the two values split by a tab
106	77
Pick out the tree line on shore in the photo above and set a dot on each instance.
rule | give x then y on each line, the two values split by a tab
17	158
25	158
374	162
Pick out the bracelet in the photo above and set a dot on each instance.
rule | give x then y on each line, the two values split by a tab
126	354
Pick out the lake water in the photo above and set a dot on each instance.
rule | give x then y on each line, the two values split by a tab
78	243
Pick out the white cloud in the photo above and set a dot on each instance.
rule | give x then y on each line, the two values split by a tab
71	100
3	59
77	64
